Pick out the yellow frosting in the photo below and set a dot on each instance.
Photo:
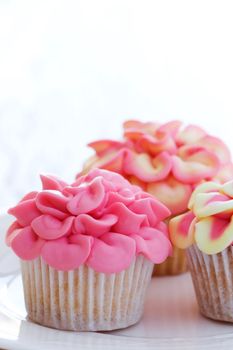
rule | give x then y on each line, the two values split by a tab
209	222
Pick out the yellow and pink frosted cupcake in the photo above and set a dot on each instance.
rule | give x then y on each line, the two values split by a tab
168	161
87	250
206	232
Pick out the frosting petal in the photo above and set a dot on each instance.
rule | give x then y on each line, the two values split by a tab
157	143
49	227
213	234
171	128
11	232
63	255
30	195
52	203
26	244
190	134
25	211
172	193
149	127
50	182
194	164
133	129
225	173
86	224
101	146
153	244
125	197
208	204
111	180
227	189
115	249
112	161
128	221
205	187
156	211
88	198
147	169
181	230
215	145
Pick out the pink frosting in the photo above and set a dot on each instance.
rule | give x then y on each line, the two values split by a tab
209	222
101	220
167	160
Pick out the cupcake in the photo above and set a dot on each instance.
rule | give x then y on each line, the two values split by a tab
168	161
87	250
206	232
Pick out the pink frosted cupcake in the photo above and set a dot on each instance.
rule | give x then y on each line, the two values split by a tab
87	250
206	231
168	161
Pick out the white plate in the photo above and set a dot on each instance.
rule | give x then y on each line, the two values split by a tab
171	318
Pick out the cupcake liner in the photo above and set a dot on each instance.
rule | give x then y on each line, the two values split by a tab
83	299
212	277
174	265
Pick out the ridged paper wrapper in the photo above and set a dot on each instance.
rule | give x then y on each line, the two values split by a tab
212	277
83	299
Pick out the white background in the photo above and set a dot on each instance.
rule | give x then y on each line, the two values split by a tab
72	71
